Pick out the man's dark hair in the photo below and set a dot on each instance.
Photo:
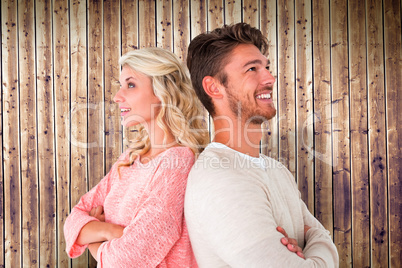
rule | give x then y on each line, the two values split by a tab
208	54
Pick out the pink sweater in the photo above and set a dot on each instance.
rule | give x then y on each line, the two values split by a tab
148	200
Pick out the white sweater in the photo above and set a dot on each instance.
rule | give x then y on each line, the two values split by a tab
233	205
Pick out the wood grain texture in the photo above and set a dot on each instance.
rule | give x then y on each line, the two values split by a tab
78	110
322	114
181	28
304	103
359	135
233	11
340	132
164	25
146	22
215	14
268	27
111	54
250	12
95	110
46	150
129	41
11	146
377	136
62	125
338	70
393	85
286	84
1	162
29	138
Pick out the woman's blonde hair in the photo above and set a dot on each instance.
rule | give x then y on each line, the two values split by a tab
180	113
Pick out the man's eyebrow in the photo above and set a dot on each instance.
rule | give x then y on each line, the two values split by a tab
257	61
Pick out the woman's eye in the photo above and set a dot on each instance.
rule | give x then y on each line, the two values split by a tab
131	85
267	68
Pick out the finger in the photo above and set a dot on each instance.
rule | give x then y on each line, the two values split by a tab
98	211
282	231
92	212
293	248
300	254
292	241
284	241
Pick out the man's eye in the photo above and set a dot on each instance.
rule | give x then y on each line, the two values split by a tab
251	69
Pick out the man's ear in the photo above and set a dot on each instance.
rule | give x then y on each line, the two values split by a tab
212	87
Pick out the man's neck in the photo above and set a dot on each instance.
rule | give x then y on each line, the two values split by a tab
244	138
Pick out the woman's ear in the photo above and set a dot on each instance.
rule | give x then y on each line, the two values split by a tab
212	87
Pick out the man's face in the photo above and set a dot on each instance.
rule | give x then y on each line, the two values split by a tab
249	85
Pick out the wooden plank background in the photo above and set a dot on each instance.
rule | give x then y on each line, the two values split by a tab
338	67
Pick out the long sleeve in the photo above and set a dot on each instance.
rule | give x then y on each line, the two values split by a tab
158	215
319	245
232	215
79	215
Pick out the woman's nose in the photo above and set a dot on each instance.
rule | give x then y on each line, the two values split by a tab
118	97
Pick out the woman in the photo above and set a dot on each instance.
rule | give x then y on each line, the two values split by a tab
134	216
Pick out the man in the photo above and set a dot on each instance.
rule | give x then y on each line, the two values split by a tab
239	203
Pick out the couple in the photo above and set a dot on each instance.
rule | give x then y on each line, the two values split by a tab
247	215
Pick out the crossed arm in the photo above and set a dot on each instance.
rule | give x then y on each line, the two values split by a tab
291	243
96	232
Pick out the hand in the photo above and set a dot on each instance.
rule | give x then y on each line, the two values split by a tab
291	243
98	213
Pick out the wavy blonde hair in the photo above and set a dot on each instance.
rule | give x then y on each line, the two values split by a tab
181	112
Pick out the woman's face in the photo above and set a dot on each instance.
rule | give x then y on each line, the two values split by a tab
137	101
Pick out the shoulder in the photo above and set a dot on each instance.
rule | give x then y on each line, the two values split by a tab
218	169
184	154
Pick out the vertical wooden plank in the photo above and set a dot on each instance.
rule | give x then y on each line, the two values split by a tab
164	38
181	28
28	107
62	125
322	114
95	93
129	25
95	98
146	22
233	11
198	17
340	129
129	41
215	14
250	13
269	142
377	135
11	146
111	43
358	135
46	165
1	155
304	101
393	86
198	25
78	111
286	83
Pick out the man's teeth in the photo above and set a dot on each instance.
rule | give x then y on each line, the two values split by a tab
264	96
125	110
